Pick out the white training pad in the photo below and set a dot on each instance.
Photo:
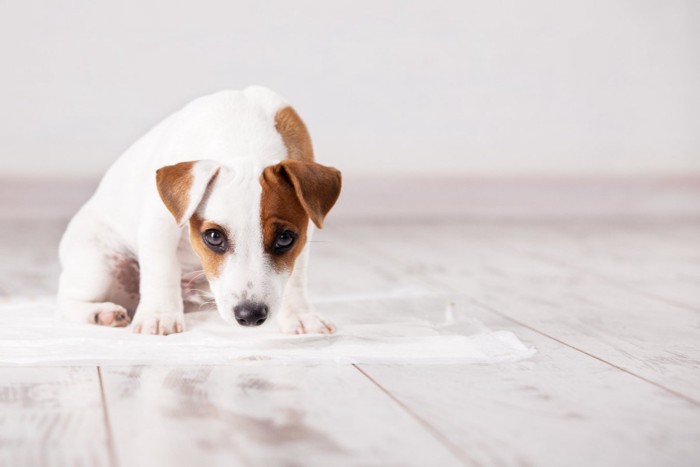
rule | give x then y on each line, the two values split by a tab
389	329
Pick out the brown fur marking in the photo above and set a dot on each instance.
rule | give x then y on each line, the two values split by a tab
174	183
280	210
294	134
316	186
211	262
293	192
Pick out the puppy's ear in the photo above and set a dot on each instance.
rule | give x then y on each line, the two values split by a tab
317	186
182	186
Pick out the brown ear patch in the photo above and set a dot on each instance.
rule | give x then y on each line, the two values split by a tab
212	262
316	186
294	134
174	183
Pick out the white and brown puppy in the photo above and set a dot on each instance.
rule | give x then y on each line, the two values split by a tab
237	167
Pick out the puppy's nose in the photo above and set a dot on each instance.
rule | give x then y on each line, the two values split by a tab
250	313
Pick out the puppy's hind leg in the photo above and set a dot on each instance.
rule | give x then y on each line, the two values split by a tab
87	276
102	313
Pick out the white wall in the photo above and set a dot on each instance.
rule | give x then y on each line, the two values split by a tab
458	87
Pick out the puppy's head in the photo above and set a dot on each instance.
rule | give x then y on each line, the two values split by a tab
248	225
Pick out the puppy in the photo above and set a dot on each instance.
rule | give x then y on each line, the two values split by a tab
215	202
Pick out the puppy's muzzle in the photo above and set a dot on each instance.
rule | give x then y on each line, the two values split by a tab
250	313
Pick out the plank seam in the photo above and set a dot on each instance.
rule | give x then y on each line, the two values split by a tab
689	399
421	421
108	425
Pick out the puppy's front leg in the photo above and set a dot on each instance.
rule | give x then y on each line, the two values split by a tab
297	314
181	188
160	310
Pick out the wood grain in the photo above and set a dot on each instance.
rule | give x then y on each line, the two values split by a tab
561	408
52	417
261	415
647	259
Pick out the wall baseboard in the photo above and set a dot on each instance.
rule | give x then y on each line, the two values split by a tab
523	198
431	198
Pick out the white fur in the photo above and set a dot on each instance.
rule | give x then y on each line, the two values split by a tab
230	131
245	275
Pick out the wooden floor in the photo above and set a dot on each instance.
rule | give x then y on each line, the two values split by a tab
613	309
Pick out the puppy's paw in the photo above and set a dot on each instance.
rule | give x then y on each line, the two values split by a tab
305	323
158	323
111	314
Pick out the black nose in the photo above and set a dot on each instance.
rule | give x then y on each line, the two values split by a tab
250	313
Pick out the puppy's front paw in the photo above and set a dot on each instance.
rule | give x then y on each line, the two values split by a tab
158	323
305	323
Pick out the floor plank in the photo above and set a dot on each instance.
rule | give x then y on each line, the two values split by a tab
647	259
335	270
52	417
261	415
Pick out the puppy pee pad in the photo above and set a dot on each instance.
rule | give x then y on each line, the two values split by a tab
393	328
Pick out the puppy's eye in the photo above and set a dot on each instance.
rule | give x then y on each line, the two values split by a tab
215	240
284	241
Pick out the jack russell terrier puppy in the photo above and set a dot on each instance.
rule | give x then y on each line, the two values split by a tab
238	168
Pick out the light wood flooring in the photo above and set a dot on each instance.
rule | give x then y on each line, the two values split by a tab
612	308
